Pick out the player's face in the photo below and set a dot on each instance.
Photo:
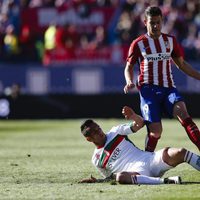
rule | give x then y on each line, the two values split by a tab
154	25
96	136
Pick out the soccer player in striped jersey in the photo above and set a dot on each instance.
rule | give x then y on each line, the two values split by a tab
153	52
116	157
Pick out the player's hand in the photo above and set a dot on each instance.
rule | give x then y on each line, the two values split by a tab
128	87
128	112
88	180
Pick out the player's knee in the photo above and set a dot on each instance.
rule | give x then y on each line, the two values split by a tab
156	135
174	156
180	111
122	177
155	130
181	151
178	152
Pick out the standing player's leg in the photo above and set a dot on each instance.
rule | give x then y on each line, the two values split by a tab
180	112
154	131
175	107
150	105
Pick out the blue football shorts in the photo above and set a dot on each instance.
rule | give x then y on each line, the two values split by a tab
156	101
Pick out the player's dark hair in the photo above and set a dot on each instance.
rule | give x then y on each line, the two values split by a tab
153	11
86	124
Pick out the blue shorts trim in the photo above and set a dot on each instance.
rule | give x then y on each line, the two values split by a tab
156	101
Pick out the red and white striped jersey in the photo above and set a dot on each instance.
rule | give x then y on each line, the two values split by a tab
154	57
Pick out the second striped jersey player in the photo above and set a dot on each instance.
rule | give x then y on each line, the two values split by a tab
154	52
154	58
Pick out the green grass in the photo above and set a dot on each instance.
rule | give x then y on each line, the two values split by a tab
45	160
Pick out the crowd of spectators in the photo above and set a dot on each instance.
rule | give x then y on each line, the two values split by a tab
18	44
181	19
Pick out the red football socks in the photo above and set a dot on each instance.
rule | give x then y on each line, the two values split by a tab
192	131
151	143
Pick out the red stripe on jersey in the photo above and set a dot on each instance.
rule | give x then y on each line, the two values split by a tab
168	74
141	76
176	49
165	38
134	52
110	148
150	64
160	63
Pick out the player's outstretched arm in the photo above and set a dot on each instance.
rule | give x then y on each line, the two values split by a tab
138	121
95	180
88	180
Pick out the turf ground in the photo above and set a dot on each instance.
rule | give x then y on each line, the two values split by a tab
46	159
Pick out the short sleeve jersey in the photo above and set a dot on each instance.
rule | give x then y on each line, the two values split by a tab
154	58
118	154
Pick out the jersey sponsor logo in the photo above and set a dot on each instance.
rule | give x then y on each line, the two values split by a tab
114	157
109	149
157	57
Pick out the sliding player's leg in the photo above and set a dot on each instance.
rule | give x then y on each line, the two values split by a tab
176	156
135	178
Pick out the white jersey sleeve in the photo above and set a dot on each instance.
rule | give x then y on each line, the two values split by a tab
123	129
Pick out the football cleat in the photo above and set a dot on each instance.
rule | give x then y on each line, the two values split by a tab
173	180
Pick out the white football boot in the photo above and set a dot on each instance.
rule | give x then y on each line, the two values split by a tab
173	180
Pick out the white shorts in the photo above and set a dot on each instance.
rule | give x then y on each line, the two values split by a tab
151	164
157	166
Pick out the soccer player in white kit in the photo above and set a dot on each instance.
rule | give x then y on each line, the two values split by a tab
115	156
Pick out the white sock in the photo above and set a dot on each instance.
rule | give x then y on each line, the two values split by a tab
141	179
192	159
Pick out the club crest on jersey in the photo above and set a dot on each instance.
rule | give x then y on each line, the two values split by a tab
97	156
167	45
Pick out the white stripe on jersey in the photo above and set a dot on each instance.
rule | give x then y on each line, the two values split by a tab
170	69
171	43
155	64
143	52
155	57
163	48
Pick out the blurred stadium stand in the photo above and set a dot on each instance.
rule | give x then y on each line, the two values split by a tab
54	49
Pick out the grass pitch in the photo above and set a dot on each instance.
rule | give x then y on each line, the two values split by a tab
46	159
